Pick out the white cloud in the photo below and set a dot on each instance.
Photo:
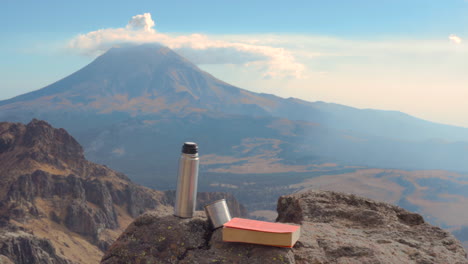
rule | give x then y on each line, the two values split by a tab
455	39
141	22
273	62
424	77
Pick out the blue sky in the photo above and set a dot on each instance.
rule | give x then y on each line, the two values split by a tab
399	55
344	18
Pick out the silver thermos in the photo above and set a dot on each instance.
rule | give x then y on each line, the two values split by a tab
186	193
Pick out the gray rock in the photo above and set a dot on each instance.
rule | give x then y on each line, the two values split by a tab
342	228
336	228
24	248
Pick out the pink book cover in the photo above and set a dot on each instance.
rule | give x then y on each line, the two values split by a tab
262	226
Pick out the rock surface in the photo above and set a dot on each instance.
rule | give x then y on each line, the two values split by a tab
46	181
18	246
57	205
336	228
155	238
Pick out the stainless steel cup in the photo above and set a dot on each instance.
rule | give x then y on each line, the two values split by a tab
218	213
186	193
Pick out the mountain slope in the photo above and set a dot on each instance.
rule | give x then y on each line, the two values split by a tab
149	92
77	208
144	79
150	78
57	207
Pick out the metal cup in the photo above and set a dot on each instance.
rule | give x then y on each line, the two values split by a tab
218	213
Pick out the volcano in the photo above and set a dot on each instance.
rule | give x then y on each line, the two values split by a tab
147	79
136	80
134	106
138	102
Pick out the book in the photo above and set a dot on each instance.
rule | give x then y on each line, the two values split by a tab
261	232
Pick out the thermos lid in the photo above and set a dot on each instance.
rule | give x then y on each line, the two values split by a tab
190	148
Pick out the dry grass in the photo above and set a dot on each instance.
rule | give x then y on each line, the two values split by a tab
453	212
259	155
69	244
361	182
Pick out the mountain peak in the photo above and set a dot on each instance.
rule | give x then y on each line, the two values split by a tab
59	202
151	54
37	144
144	78
129	72
142	49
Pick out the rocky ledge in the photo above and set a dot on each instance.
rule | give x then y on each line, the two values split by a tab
336	228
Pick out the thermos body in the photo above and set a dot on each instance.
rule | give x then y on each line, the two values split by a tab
187	181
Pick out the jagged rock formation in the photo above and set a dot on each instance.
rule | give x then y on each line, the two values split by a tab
57	207
71	205
336	228
18	246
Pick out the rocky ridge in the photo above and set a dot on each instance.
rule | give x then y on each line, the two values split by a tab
53	198
57	207
336	228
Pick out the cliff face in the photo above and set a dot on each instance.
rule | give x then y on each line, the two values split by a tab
56	207
18	246
335	228
74	208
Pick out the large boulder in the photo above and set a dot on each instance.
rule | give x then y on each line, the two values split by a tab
336	228
153	238
342	228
